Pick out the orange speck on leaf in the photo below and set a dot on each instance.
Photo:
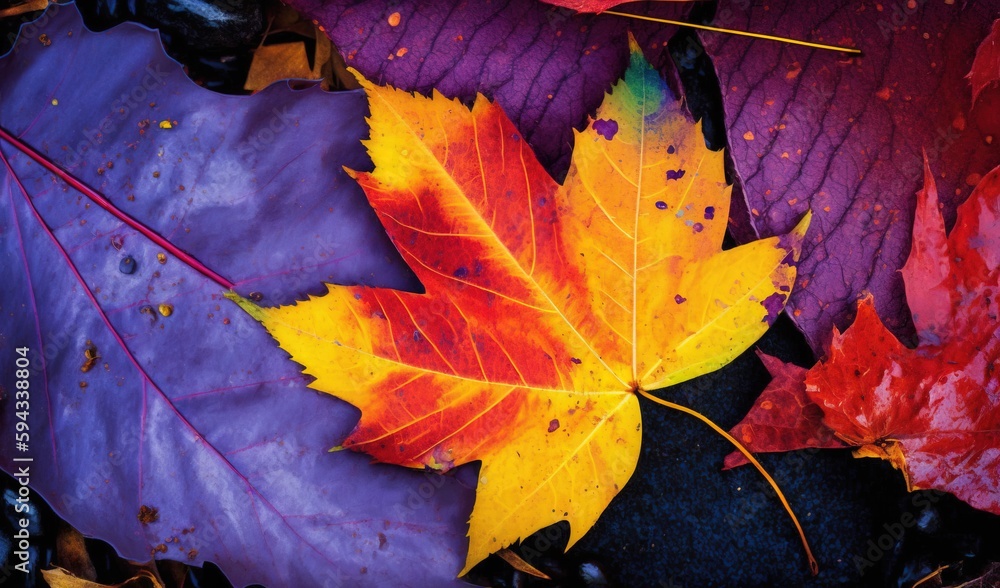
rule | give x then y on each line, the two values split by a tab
394	19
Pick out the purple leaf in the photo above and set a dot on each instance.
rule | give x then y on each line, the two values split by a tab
197	416
844	136
548	67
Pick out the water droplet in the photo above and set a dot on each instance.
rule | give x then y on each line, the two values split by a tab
553	425
709	212
255	296
127	265
166	309
461	272
661	205
679	299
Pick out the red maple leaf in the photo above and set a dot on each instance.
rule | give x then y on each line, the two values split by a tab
932	411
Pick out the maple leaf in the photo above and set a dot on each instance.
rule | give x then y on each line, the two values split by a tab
934	411
783	417
547	307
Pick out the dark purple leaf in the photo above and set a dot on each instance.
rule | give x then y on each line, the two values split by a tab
844	136
192	436
548	67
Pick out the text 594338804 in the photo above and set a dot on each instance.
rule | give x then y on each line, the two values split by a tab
22	461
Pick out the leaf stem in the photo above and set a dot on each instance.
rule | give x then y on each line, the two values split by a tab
511	557
813	566
734	32
110	207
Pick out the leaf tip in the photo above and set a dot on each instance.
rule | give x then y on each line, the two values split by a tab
361	79
793	240
927	196
633	45
803	226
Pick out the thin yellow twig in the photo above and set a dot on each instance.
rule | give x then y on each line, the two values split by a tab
734	32
813	566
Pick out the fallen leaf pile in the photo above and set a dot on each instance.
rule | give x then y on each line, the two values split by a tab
547	307
566	258
934	411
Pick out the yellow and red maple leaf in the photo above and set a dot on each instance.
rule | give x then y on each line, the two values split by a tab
546	306
934	411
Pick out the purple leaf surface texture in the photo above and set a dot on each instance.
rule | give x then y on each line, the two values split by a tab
547	66
188	408
845	136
